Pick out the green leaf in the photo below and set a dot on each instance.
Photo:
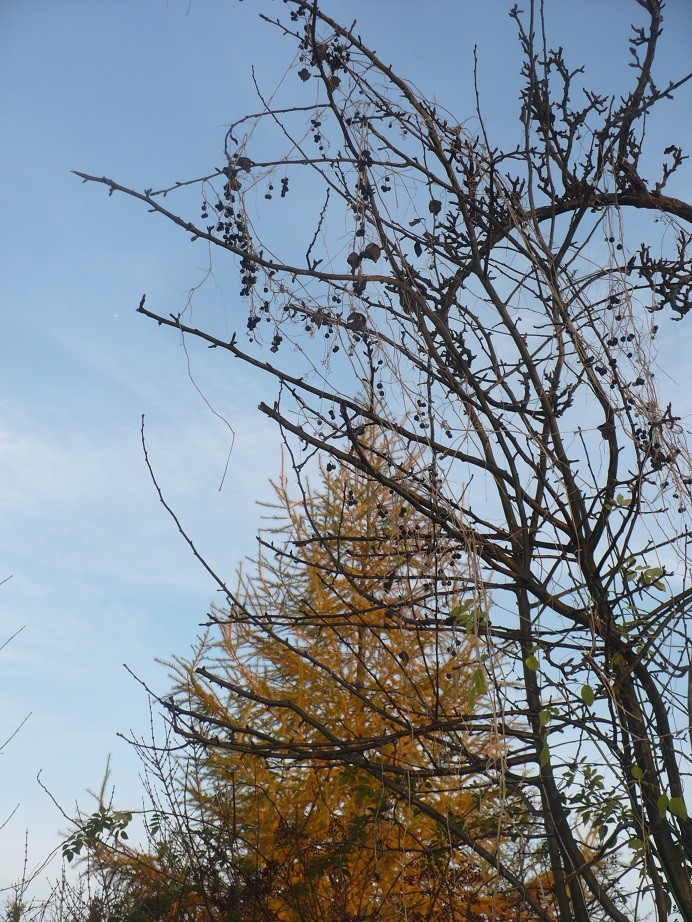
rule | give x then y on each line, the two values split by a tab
639	845
477	687
648	576
677	807
531	663
662	805
460	610
637	773
545	717
347	775
154	824
469	616
651	575
587	695
479	681
545	755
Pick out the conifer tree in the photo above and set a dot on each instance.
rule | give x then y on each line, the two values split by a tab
363	661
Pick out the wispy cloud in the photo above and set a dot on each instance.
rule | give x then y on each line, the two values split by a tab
101	577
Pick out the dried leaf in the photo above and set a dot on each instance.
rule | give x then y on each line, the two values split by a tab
372	251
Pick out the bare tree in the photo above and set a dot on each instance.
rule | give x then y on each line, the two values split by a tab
497	311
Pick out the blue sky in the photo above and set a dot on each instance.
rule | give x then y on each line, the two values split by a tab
141	90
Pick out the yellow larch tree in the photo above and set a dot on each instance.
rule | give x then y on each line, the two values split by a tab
335	713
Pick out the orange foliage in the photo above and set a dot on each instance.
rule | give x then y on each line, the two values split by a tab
341	706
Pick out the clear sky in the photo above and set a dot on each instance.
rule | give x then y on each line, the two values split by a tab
141	90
